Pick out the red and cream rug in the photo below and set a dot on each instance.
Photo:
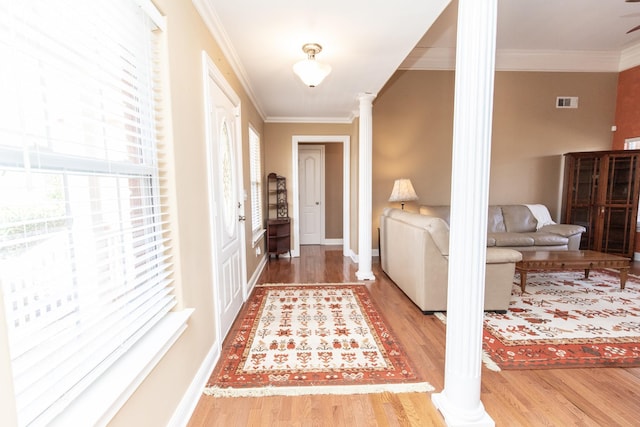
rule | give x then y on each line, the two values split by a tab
563	320
312	339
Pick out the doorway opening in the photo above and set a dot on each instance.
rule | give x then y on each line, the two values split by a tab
297	142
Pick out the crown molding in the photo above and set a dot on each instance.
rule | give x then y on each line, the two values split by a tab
430	58
630	57
530	60
321	120
541	60
215	27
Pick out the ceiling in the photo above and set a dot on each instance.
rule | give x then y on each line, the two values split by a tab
366	41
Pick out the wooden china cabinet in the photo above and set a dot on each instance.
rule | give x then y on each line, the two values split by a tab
278	223
601	193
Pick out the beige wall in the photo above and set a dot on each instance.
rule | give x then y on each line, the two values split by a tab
413	125
155	401
333	191
278	154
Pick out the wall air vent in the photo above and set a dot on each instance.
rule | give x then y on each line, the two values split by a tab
567	102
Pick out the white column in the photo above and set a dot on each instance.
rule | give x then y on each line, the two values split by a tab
459	402
365	159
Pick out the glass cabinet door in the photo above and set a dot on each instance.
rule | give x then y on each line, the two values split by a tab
618	208
582	207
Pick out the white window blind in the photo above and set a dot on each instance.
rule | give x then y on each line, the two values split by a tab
84	264
256	182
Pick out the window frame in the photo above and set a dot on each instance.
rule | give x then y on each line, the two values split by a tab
256	186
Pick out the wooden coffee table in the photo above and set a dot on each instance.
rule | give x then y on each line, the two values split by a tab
570	260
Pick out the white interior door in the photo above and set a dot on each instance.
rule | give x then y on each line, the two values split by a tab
227	204
311	190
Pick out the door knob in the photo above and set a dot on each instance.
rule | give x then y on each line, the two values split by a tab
317	203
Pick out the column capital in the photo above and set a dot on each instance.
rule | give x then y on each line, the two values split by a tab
366	97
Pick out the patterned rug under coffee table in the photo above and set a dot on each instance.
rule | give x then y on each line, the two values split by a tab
299	339
564	320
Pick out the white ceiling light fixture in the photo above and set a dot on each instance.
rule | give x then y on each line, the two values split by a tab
310	71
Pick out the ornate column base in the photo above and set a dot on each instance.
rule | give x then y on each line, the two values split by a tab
454	418
364	275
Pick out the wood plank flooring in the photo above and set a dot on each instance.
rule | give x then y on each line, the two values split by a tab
549	397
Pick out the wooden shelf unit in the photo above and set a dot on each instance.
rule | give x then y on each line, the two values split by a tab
279	223
279	236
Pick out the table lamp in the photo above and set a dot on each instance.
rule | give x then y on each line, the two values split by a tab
403	192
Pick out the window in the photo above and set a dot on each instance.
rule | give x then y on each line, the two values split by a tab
83	254
256	184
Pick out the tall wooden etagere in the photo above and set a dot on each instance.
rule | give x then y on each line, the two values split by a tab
278	222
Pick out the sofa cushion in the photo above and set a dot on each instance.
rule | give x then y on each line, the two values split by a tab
495	221
491	241
547	239
518	219
440	234
565	230
438	228
437	211
512	239
500	256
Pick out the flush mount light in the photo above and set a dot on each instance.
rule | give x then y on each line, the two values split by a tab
310	71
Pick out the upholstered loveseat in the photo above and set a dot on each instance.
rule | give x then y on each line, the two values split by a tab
414	251
522	227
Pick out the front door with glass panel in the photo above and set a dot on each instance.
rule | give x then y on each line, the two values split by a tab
227	205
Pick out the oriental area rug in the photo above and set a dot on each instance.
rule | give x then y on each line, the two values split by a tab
312	339
564	320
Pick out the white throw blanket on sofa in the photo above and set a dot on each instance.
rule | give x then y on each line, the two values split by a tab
542	215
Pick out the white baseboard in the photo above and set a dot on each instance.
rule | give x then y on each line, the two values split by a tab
256	275
354	256
184	411
330	242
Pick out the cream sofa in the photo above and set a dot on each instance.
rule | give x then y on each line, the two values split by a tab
522	227
414	251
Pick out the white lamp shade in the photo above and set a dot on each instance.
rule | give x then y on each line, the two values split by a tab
403	191
311	72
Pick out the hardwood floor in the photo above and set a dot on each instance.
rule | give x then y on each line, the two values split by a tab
549	397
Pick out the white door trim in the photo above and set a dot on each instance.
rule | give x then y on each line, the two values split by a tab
346	196
211	74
